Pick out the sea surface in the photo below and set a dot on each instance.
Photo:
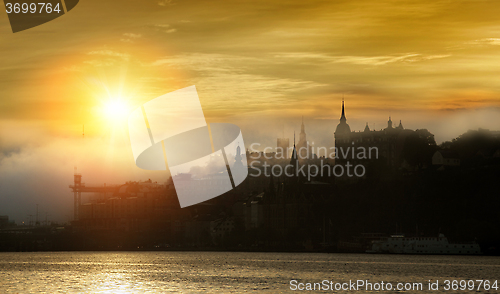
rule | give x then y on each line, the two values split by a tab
235	272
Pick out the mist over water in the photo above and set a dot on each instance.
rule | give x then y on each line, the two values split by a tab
37	166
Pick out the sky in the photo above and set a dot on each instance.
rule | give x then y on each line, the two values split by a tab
262	65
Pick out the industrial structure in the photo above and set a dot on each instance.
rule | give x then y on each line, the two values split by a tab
78	188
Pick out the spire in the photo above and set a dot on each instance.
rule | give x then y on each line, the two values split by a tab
294	152
302	127
367	129
343	127
400	125
294	160
343	111
389	123
238	157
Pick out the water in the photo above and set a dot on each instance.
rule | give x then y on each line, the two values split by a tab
228	272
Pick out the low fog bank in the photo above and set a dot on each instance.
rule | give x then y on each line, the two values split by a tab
36	167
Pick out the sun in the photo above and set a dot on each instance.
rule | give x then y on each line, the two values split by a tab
116	110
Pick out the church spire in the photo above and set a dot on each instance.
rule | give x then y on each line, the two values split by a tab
294	160
238	157
367	129
400	125
343	127
343	118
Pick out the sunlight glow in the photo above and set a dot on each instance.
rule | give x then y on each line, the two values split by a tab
116	110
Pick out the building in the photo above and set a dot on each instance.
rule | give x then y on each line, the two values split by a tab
386	144
446	158
4	221
290	210
134	206
304	150
221	228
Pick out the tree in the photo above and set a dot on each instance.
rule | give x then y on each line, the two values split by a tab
419	148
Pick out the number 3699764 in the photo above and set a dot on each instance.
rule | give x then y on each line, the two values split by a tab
32	8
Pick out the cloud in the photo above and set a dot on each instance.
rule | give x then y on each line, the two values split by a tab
106	58
227	87
259	64
362	60
130	37
166	28
486	41
110	53
165	2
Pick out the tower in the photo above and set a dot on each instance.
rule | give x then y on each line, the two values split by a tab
303	149
389	123
294	160
77	194
342	116
238	171
238	158
302	135
342	128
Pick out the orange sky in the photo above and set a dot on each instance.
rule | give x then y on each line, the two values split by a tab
285	59
259	64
